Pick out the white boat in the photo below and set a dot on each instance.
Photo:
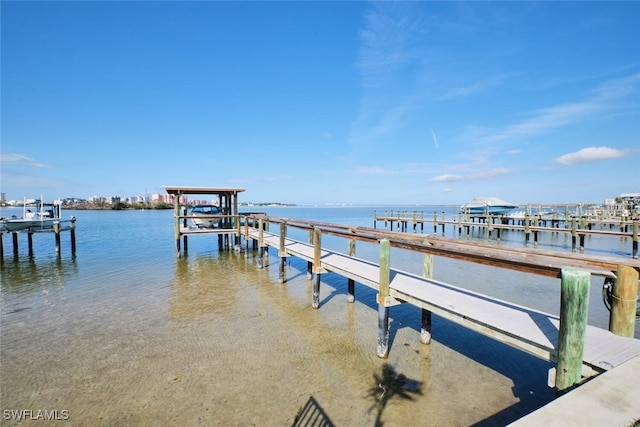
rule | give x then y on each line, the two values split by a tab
487	206
36	215
201	212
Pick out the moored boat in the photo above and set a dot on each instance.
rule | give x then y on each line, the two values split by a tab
36	215
487	206
201	214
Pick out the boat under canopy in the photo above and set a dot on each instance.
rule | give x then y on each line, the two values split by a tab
487	206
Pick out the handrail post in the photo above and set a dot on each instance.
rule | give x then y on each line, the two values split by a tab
383	295
574	308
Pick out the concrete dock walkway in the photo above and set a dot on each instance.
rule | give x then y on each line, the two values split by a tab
610	399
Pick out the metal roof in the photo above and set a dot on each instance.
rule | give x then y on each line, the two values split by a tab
202	190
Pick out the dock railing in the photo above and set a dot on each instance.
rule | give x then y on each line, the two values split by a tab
574	271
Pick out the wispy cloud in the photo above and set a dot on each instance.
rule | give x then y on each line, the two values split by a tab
606	97
7	159
474	88
372	170
591	154
386	60
489	174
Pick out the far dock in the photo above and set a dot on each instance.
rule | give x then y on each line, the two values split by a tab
530	225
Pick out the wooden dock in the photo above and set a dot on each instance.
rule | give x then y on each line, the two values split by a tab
531	226
58	228
529	330
579	350
535	332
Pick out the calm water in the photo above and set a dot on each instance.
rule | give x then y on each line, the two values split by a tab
126	333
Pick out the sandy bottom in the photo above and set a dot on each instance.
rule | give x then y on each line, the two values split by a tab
221	342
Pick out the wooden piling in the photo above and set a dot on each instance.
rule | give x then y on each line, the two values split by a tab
14	236
261	243
56	232
282	253
30	242
309	263
176	215
622	320
574	308
72	233
635	239
383	295
317	252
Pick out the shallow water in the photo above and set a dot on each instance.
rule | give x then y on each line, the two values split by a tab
126	333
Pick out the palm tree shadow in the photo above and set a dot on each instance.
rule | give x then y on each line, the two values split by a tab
388	385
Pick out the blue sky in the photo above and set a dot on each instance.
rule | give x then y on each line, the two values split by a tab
322	102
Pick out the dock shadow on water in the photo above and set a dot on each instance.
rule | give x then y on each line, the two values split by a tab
389	385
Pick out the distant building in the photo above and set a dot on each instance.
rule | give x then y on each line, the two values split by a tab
167	198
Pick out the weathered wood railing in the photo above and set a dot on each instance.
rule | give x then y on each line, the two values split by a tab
531	225
574	272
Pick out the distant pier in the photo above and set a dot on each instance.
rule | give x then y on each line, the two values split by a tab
530	225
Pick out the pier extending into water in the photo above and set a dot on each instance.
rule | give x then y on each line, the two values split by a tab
531	225
579	350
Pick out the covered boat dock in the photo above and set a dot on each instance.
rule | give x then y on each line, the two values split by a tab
227	201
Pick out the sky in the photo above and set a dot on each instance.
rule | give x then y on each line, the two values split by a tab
322	102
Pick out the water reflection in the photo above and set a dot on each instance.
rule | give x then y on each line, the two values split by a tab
22	276
205	284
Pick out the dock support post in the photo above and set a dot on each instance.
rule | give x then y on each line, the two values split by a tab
634	252
282	253
14	238
574	308
246	237
317	252
309	263
383	295
1	246
72	232
527	230
56	231
260	243
574	234
176	221
622	320
351	297
30	242
427	272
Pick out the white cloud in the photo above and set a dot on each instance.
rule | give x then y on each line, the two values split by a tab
447	177
372	170
590	154
20	160
493	173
